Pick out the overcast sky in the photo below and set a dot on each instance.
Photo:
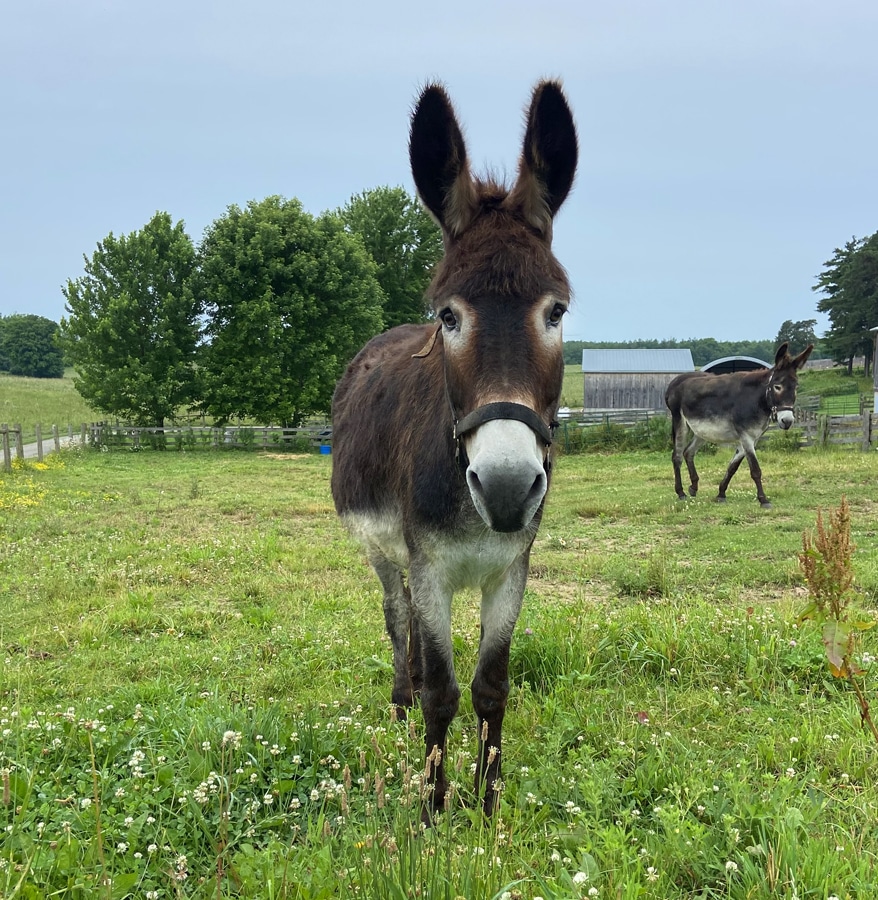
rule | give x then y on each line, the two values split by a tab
726	148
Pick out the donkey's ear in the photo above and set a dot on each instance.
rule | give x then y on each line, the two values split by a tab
782	353
802	358
439	163
548	157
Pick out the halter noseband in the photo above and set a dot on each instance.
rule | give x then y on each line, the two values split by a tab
505	410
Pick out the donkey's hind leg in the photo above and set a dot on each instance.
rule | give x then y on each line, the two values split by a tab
689	455
730	472
400	628
679	432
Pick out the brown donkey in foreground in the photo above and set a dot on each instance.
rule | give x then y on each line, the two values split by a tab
442	433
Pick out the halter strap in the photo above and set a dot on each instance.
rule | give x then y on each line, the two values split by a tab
505	410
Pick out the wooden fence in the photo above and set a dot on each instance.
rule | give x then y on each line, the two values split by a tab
172	437
813	429
821	430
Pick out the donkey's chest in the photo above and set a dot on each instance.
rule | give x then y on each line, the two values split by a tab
466	557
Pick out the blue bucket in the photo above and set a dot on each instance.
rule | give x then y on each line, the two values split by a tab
325	449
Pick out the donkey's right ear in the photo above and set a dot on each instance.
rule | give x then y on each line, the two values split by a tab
782	353
437	153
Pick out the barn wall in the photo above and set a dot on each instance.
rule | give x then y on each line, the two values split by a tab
634	390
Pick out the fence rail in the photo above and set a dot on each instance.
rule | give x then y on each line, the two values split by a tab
172	437
814	428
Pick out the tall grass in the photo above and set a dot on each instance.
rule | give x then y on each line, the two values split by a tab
194	695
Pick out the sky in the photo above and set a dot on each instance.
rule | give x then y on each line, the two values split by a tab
726	148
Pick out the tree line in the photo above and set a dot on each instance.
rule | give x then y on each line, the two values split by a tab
260	318
257	321
849	285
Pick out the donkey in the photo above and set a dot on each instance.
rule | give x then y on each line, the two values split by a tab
443	432
731	409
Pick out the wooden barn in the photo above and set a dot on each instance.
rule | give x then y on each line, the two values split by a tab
630	379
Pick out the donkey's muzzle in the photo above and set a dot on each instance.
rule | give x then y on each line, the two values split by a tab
506	474
785	418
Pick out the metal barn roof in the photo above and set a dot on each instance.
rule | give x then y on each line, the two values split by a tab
637	360
735	364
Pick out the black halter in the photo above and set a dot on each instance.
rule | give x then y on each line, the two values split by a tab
502	410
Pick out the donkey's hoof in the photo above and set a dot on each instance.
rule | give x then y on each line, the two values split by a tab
693	492
765	504
720	499
682	497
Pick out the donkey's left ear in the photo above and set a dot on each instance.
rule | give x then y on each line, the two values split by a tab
548	157
802	358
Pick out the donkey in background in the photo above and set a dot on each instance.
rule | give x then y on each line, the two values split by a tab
731	409
442	432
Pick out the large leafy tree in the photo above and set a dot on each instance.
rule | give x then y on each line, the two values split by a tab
288	299
132	330
849	284
797	334
28	346
405	244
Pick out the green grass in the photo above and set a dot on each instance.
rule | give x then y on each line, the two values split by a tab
195	688
47	401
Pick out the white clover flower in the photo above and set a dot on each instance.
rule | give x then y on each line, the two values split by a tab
580	878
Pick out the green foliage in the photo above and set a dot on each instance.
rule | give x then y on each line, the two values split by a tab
704	350
132	328
827	564
289	299
404	242
652	434
797	334
28	347
849	285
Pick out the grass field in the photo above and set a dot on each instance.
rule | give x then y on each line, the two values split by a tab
195	688
47	401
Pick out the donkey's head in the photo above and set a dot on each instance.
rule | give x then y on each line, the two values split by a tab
783	383
499	296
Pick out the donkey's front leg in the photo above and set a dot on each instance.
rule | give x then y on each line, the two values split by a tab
501	605
440	694
756	475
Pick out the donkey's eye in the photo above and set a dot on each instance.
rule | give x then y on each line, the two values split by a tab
556	314
778	388
448	318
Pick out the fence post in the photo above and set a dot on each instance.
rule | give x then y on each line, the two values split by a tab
867	429
57	438
4	438
83	436
38	431
19	441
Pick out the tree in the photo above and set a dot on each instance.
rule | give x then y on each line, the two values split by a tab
405	244
28	346
133	326
797	334
849	284
288	299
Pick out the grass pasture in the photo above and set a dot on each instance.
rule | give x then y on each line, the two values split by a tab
49	401
195	683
